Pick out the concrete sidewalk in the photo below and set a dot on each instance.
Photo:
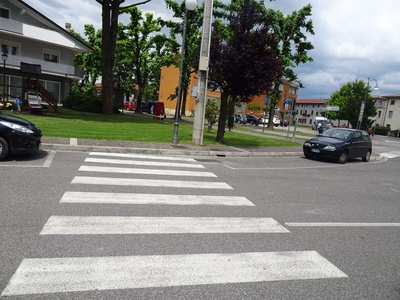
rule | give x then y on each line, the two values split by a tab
86	145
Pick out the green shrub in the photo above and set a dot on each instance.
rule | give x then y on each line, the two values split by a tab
381	130
81	101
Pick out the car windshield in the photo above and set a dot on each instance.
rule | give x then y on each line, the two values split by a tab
340	134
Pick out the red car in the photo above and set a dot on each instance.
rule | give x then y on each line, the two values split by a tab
129	105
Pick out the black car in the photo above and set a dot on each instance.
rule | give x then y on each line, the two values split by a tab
339	144
283	122
148	107
17	136
241	119
253	120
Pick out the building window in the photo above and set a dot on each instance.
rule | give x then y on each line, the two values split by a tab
312	112
292	90
392	102
10	48
4	13
51	55
390	115
379	113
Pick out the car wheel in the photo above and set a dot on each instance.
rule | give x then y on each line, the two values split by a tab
367	156
309	156
343	157
4	148
251	123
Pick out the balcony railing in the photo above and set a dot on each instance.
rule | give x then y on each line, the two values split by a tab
11	25
46	66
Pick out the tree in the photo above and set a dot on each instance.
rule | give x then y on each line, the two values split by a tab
90	62
290	33
349	99
193	37
143	51
243	57
110	13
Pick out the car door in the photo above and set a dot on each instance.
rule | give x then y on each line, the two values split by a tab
357	145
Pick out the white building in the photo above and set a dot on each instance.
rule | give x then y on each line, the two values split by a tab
32	41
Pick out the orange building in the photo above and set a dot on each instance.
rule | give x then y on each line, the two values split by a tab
169	83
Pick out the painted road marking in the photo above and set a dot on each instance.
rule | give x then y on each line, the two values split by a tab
143	156
390	154
61	275
343	224
142	163
148	182
146	171
130	198
158	225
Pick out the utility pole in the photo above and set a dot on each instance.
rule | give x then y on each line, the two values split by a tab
198	123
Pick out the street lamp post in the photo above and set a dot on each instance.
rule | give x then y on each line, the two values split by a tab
4	56
189	5
360	116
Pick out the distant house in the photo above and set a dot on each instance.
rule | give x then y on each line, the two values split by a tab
308	109
388	111
169	83
37	53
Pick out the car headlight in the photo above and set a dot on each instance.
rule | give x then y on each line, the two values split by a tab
16	127
330	148
307	144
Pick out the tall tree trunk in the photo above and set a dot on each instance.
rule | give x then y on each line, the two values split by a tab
110	23
222	118
183	103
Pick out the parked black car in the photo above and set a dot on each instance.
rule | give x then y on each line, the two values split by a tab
17	136
148	107
241	119
284	123
339	144
252	120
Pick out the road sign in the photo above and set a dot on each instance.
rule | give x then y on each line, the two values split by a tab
332	108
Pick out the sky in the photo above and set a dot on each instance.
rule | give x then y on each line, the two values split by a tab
354	39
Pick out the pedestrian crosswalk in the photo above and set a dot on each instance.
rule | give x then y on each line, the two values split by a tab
73	274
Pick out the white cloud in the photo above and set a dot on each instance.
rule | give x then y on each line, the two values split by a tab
354	39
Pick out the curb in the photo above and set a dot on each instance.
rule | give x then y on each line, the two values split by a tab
174	152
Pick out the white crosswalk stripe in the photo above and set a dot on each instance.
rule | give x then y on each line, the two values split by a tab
73	274
391	154
143	163
158	225
150	183
131	198
145	171
142	156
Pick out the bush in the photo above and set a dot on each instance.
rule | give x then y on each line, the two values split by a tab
81	101
381	130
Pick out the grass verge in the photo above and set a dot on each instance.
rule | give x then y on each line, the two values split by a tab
133	127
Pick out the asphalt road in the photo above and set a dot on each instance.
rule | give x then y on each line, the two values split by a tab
79	225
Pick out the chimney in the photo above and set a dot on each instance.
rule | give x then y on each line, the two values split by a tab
68	27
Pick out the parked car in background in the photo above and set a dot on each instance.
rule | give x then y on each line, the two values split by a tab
241	119
283	123
317	121
148	107
339	144
252	120
322	126
275	121
129	105
17	136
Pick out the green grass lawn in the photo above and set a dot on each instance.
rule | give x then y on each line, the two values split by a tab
133	127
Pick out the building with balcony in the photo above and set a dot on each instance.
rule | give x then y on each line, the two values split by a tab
27	37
